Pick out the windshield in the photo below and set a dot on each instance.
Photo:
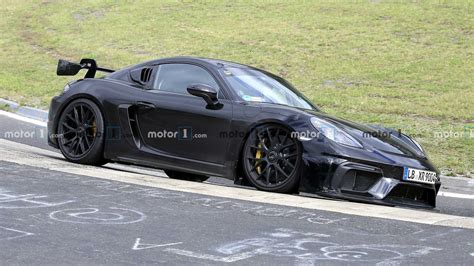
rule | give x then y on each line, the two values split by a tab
255	86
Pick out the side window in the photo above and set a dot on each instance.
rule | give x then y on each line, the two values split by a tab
177	77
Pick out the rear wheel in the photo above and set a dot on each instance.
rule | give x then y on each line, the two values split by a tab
186	176
272	158
81	131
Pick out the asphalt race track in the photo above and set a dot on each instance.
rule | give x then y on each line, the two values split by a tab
55	212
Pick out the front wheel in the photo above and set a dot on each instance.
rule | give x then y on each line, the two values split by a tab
186	176
272	159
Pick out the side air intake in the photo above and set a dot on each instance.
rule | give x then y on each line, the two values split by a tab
146	74
141	75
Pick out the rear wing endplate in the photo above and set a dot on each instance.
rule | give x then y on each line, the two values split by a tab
66	68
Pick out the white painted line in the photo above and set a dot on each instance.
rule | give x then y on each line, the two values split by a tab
24	119
36	157
140	246
455	195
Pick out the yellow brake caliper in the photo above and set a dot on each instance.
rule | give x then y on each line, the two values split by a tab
94	128
258	156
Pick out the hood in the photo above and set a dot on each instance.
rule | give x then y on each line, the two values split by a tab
375	138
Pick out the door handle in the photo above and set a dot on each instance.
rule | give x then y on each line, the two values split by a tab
145	105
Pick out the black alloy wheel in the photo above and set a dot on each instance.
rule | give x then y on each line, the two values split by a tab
272	158
80	131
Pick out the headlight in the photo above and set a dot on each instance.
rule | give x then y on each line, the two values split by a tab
416	144
334	133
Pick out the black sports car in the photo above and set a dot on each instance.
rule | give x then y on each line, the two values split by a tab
197	117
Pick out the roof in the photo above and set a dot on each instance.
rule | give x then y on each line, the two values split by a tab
205	60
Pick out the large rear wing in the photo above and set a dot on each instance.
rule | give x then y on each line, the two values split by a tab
66	68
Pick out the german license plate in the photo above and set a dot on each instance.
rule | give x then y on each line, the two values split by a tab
420	176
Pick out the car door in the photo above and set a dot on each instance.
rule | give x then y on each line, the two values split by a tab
174	123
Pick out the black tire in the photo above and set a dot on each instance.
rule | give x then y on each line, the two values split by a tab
81	131
186	176
271	159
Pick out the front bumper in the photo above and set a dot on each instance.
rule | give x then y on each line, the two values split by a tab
54	110
364	181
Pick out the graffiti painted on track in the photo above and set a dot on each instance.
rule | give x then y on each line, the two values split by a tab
113	215
306	248
11	200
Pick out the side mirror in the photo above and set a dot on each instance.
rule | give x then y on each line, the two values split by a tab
208	93
66	68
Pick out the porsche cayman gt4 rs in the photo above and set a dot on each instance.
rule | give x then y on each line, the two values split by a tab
197	117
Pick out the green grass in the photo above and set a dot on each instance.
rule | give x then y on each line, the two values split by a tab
408	66
5	107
